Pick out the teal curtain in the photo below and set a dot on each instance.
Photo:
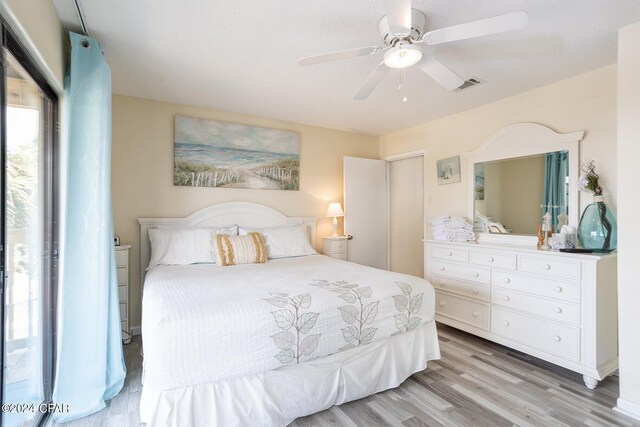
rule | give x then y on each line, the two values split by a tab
556	171
90	364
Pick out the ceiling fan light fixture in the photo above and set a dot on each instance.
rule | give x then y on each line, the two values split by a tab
402	56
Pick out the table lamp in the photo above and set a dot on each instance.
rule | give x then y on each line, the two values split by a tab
335	210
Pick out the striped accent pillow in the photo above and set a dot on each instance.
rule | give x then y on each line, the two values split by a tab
233	250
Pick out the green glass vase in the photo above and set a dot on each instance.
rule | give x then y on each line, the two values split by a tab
598	229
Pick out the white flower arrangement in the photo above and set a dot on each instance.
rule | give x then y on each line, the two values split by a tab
588	181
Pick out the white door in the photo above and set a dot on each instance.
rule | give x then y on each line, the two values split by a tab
365	211
406	215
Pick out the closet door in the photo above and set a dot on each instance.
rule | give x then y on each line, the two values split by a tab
365	211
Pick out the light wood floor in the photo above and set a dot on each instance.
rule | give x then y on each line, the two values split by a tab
476	383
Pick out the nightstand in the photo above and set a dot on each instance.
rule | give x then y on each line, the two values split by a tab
336	247
122	267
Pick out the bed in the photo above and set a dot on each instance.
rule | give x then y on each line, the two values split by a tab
263	344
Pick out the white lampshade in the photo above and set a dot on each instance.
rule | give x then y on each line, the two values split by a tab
335	210
402	56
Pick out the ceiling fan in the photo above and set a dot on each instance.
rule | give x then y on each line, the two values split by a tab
402	31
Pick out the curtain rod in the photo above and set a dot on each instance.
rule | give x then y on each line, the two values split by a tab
85	30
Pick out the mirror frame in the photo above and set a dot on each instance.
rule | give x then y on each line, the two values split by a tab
520	140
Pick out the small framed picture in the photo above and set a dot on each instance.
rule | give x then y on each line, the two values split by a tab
116	240
449	170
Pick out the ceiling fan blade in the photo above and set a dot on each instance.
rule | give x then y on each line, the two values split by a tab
440	73
484	27
372	82
399	16
341	54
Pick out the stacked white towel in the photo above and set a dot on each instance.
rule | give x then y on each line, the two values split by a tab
452	228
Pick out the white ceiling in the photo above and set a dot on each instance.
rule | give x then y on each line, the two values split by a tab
241	55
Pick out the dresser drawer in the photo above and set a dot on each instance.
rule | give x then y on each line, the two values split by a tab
454	254
493	259
122	293
463	310
544	335
338	245
464	272
473	290
552	309
122	258
123	311
550	267
565	291
123	276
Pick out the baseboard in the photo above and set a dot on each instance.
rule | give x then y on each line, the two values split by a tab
627	408
135	330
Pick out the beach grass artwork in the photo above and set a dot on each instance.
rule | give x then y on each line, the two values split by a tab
212	153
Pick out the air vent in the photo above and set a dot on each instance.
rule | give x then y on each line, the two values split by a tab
473	81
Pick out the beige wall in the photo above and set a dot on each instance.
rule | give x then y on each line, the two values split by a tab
142	165
522	190
629	207
40	30
585	102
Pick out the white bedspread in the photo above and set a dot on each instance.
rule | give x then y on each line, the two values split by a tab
204	323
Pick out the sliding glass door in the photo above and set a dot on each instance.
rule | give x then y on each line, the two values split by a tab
27	240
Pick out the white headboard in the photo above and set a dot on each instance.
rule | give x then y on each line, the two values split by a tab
244	214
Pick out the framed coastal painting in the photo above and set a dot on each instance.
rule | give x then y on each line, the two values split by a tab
449	170
212	153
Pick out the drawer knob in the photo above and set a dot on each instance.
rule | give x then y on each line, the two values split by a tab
558	310
506	298
557	338
442	268
442	283
506	323
475	314
476	274
441	303
558	289
475	291
449	253
507	280
547	267
491	259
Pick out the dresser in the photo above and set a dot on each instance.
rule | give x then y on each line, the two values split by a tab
335	247
122	269
558	307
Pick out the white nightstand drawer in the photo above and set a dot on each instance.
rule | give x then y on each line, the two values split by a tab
555	310
463	310
122	293
123	275
493	259
122	258
550	267
123	311
472	290
463	272
451	253
545	335
565	291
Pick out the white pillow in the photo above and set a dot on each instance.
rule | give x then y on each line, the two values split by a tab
285	242
184	246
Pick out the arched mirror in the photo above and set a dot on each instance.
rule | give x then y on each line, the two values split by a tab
520	173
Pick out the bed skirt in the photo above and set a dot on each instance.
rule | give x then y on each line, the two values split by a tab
278	397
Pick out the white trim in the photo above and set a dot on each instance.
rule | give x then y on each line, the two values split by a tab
29	45
627	408
244	214
520	140
404	156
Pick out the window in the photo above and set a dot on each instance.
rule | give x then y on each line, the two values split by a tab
28	235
